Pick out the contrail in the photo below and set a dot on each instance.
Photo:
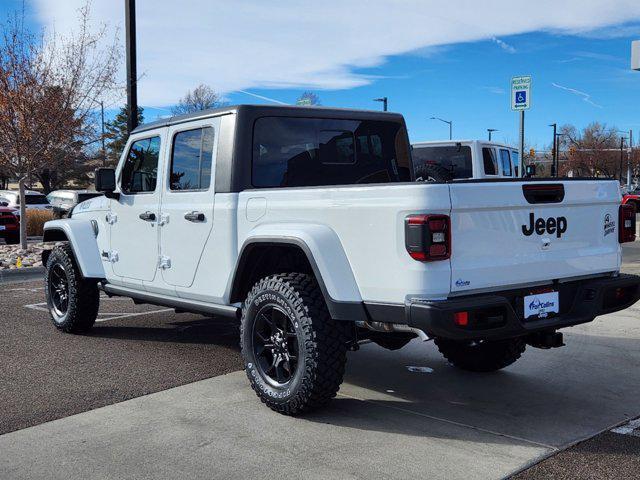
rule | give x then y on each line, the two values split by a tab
262	97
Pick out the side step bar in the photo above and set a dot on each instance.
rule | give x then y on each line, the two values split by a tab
192	306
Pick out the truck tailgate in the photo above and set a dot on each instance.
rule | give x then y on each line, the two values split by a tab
502	237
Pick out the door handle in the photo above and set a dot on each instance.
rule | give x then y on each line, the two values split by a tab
194	216
148	216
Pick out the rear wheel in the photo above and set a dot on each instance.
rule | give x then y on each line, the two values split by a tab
294	352
72	300
483	355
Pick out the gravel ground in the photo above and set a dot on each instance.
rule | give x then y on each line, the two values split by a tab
31	257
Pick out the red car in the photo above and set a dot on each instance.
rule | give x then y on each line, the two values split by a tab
632	198
9	225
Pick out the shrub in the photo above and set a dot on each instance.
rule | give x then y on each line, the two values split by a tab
36	220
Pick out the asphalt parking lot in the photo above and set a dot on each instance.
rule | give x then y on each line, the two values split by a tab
154	394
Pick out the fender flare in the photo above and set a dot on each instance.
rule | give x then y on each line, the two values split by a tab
326	256
82	239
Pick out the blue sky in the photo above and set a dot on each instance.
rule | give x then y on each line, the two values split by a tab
452	60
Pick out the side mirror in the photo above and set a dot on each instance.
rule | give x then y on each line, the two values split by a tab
106	182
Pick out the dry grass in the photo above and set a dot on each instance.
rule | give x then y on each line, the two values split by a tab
36	220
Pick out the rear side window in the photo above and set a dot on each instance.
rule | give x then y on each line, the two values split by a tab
140	169
191	160
505	162
490	162
453	158
300	152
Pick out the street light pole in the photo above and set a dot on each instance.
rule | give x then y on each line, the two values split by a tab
554	150
491	130
384	101
104	151
132	75
450	122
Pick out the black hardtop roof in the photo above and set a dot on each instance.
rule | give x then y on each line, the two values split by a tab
274	110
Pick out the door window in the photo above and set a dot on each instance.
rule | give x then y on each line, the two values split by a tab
505	161
490	162
191	160
515	158
140	169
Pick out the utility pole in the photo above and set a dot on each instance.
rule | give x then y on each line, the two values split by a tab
491	130
629	159
621	156
104	150
132	74
384	101
554	150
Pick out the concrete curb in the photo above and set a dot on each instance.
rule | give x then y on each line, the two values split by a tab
21	275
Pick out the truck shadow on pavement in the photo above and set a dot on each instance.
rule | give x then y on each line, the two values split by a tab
550	398
220	332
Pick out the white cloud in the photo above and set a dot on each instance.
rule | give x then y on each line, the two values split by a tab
504	45
494	90
585	96
242	44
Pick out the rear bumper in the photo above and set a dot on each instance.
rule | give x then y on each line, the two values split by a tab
500	315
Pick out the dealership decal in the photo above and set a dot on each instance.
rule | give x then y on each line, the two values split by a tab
609	225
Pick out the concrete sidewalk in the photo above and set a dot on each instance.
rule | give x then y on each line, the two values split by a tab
389	421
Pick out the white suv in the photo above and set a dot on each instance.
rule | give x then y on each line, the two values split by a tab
462	159
304	224
34	200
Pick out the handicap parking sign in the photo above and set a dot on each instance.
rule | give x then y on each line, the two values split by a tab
521	92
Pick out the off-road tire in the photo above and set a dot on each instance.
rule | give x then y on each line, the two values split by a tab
83	296
432	173
485	356
321	343
12	239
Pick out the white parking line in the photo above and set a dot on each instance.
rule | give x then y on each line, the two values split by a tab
103	316
632	428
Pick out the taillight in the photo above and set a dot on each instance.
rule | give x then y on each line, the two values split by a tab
428	237
627	228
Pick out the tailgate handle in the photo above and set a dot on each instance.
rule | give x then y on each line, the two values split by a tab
544	193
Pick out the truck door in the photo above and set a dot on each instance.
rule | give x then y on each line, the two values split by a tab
134	216
187	200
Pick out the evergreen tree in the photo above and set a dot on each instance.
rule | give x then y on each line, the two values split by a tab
116	134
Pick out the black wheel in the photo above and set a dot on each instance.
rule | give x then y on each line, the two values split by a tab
481	356
428	172
12	238
72	300
294	353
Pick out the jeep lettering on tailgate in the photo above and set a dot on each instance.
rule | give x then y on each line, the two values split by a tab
541	226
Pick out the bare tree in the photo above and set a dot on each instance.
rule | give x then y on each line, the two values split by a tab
308	99
200	98
49	89
592	152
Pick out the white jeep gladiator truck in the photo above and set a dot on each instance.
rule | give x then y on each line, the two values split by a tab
306	225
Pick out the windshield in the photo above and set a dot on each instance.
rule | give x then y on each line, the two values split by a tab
454	158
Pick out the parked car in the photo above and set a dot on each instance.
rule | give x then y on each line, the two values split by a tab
632	197
304	225
34	200
63	201
463	159
9	225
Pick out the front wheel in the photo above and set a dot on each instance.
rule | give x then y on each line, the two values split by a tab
72	300
294	352
481	355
